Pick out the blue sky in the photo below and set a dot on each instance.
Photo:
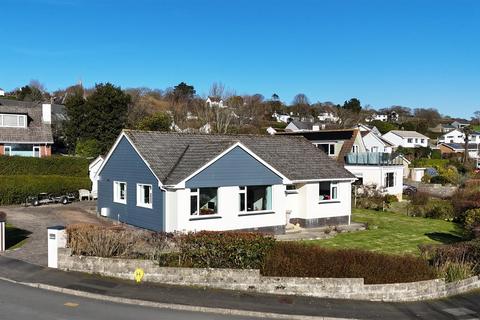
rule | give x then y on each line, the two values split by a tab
417	53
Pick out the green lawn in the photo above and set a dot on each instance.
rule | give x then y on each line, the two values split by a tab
15	237
395	233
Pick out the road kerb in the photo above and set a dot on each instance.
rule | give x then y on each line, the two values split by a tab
171	306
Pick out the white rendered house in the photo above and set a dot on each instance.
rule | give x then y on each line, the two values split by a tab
406	139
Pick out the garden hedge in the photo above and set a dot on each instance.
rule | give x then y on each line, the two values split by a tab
15	189
55	165
289	259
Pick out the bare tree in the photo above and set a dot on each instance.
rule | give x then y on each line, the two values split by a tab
217	90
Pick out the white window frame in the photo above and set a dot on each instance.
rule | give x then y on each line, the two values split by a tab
394	179
243	193
333	186
9	152
330	147
39	151
24	117
116	192
141	195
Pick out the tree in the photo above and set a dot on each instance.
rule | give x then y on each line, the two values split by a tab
217	90
184	92
353	105
476	117
431	115
28	93
101	117
383	126
88	148
301	100
467	131
275	97
159	121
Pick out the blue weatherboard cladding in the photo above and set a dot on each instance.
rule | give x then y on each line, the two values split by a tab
236	168
126	165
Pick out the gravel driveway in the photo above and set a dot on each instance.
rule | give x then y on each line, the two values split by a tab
37	219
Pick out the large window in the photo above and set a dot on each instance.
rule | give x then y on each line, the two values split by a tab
144	195
389	179
13	120
255	198
329	148
328	190
120	192
203	201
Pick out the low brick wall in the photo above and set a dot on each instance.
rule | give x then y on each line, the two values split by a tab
251	280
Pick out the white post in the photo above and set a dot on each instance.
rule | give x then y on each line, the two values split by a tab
2	236
57	238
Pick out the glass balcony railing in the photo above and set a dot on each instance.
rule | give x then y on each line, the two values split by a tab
372	159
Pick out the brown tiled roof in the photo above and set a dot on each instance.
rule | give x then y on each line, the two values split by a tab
175	156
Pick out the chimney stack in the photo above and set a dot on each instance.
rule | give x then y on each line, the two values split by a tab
47	113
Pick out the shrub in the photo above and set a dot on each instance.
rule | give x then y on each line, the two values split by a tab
88	148
15	189
471	221
454	271
288	259
440	180
420	198
55	165
433	208
100	241
467	252
207	249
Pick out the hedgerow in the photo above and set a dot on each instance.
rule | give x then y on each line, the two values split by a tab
15	189
55	165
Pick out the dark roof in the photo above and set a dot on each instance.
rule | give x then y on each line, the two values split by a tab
36	131
175	156
461	146
59	112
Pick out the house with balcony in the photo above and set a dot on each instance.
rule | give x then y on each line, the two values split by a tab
184	182
25	129
406	139
381	170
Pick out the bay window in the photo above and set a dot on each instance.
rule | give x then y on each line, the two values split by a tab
203	201
328	190
144	195
255	198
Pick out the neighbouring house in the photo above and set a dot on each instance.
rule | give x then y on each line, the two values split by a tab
363	127
294	126
328	117
25	130
190	182
375	143
382	170
2	92
93	169
460	124
406	139
459	149
281	117
442	128
215	102
457	136
384	117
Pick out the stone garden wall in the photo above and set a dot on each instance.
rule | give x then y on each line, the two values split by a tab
251	280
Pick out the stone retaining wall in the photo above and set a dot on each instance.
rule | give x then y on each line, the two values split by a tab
251	280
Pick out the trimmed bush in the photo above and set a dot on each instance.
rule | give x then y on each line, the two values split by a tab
56	165
207	249
15	189
118	241
288	259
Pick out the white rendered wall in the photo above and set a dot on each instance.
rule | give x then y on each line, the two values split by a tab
375	175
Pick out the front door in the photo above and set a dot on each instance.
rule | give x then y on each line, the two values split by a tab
36	152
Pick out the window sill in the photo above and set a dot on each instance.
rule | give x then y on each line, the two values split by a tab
205	217
120	202
328	201
291	191
144	206
256	213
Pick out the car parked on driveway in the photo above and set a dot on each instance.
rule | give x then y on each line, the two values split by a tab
45	198
409	190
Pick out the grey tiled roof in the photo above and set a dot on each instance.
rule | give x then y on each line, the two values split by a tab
36	131
175	156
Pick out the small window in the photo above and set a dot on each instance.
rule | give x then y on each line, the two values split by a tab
389	179
7	150
203	201
144	195
416	140
120	192
255	198
355	149
422	140
409	140
328	148
374	149
328	190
